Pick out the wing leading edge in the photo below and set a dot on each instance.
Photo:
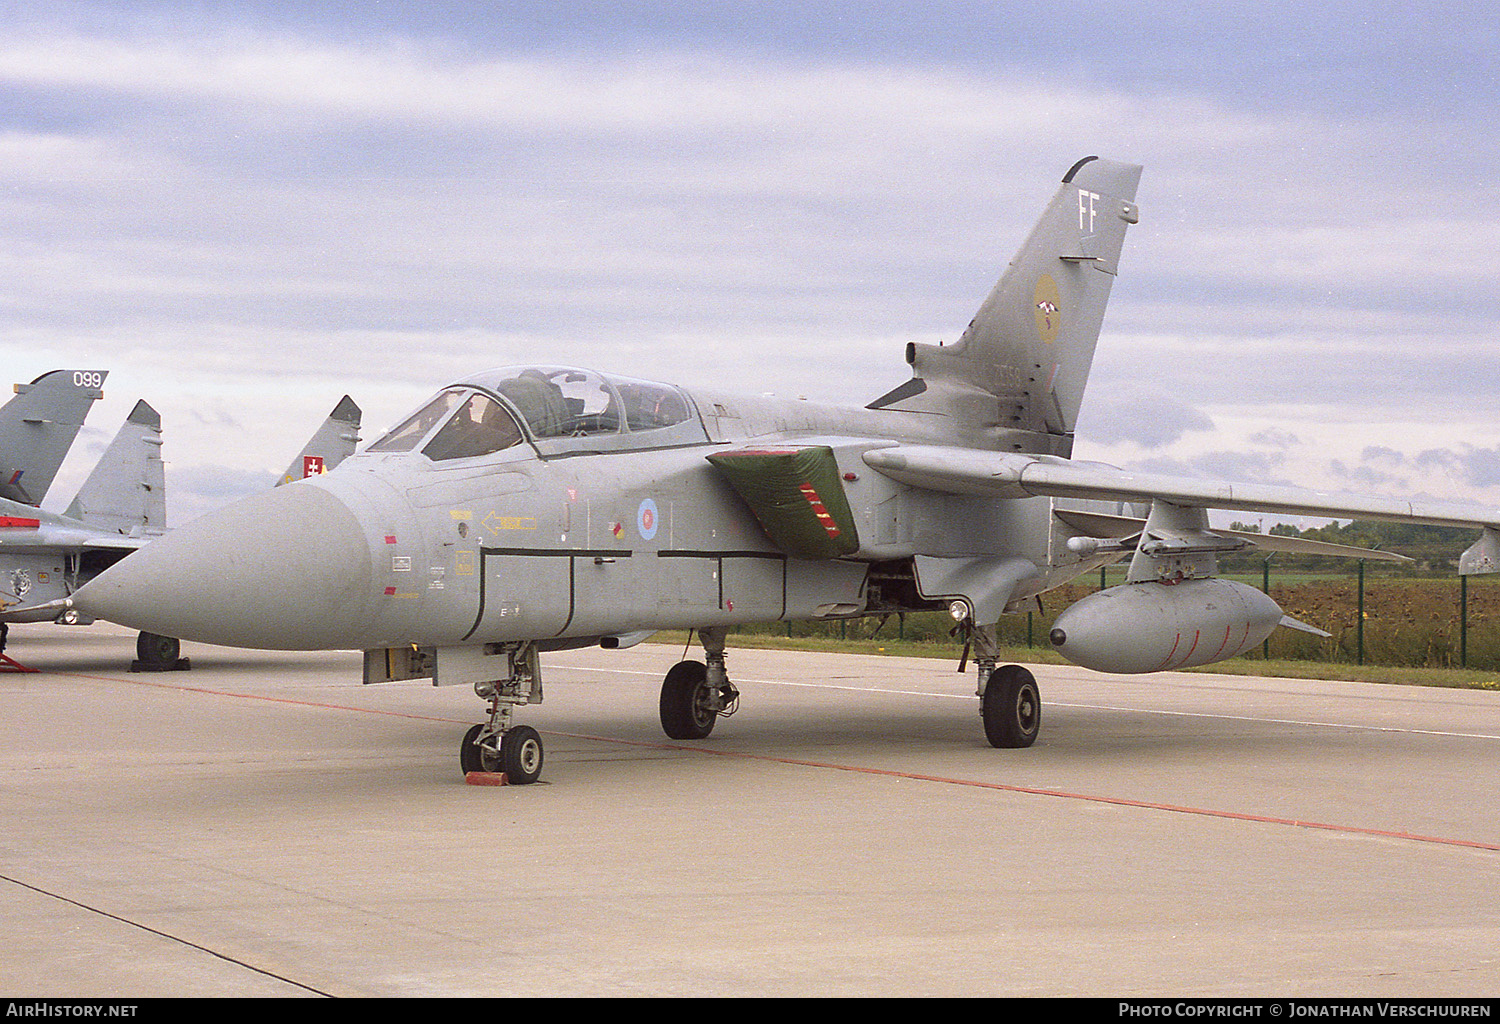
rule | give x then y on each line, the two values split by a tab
1002	475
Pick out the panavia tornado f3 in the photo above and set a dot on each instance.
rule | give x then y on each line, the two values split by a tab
530	509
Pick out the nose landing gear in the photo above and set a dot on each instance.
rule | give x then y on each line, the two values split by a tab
497	746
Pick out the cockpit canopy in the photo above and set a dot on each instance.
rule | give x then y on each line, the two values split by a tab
559	409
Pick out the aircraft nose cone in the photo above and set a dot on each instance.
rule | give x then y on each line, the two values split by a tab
285	570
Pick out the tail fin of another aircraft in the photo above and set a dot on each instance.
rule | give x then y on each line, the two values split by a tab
334	441
39	425
1016	377
127	491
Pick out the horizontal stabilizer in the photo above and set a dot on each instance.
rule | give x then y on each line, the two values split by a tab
24	528
1483	556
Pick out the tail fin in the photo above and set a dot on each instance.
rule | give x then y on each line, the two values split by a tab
1018	373
39	425
127	491
333	443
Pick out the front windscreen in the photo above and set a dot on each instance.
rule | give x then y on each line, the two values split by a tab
404	436
481	426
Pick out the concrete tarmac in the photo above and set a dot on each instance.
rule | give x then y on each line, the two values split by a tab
263	825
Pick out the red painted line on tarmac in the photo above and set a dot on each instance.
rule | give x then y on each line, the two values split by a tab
1118	801
1095	798
254	696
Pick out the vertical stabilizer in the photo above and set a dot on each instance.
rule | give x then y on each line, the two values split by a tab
127	492
39	425
1017	375
334	442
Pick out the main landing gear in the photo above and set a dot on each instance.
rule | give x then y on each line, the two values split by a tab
694	694
497	746
1010	704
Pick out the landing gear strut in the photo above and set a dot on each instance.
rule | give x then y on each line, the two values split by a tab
694	695
497	745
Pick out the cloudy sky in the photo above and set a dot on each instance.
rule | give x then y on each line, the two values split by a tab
245	211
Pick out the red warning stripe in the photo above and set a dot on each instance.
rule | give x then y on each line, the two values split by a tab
19	523
824	519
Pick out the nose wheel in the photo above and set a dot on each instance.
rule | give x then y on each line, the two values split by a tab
497	747
515	753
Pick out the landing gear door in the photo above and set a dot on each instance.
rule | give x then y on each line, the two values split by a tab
394	664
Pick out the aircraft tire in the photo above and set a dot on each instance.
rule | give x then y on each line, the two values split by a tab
1011	707
472	757
685	714
152	649
521	755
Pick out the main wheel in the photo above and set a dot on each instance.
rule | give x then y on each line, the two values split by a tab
1011	707
157	650
521	755
685	710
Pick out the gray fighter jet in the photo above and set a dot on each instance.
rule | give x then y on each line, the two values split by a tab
538	508
46	557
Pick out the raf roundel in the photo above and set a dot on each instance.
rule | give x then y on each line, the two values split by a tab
647	519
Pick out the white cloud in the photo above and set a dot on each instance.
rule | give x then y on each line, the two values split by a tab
1139	415
228	212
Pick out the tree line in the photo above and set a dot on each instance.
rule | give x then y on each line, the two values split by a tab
1435	549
